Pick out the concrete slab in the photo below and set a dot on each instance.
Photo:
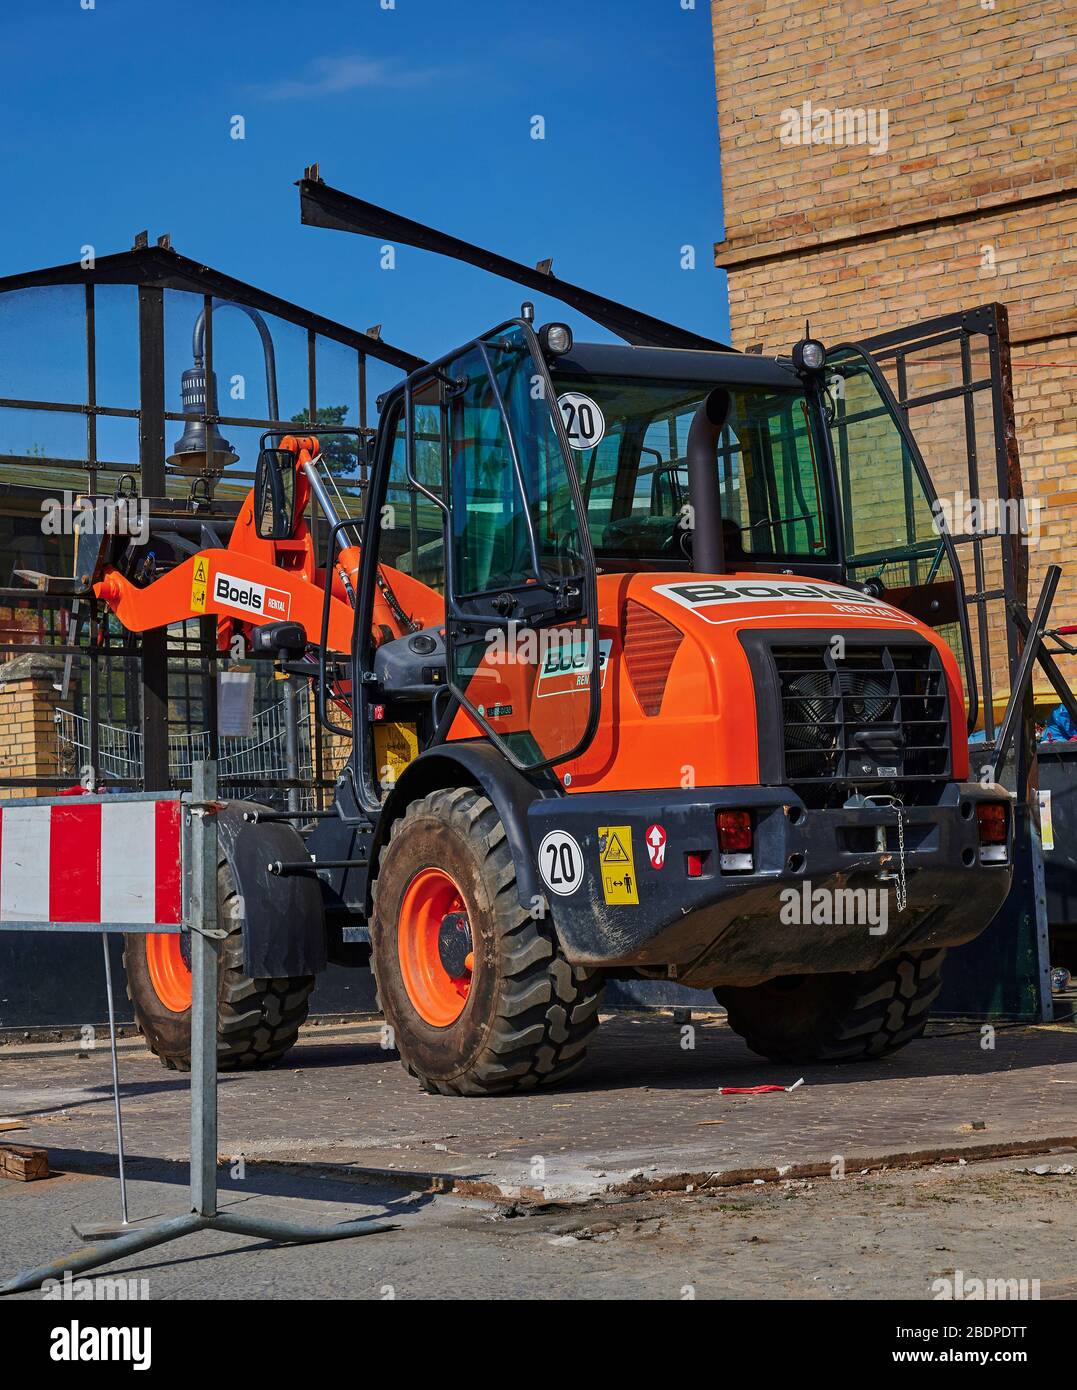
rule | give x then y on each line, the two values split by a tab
884	1236
644	1112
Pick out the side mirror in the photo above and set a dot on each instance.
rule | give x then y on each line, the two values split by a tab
274	494
282	641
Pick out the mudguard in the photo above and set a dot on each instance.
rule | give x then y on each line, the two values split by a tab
283	916
474	764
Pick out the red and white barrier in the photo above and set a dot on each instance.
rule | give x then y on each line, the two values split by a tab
114	860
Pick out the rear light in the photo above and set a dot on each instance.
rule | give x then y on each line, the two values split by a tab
991	816
992	824
735	841
695	862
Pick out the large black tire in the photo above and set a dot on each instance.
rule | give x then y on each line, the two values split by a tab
257	1020
837	1018
528	1013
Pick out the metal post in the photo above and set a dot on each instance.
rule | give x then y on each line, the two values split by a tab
151	449
291	740
1022	681
1039	917
115	1077
202	831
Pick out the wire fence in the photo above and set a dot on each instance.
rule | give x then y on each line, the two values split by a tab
245	762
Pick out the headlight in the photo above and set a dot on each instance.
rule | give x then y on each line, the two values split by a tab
556	339
809	355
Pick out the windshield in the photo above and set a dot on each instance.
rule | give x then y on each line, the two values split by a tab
629	437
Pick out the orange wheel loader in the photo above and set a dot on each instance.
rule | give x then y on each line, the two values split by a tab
617	710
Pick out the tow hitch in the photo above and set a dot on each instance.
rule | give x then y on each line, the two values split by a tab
887	875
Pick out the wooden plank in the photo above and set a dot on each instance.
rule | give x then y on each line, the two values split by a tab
23	1163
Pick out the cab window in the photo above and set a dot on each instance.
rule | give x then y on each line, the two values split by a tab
635	478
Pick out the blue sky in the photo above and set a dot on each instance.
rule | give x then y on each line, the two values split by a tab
118	117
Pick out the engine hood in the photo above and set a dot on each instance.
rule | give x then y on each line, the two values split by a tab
695	602
681	705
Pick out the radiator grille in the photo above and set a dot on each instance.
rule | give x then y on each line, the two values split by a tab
877	713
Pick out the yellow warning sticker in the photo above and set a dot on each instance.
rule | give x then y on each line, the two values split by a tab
198	585
617	864
395	745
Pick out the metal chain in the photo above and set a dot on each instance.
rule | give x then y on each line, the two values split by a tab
901	893
900	889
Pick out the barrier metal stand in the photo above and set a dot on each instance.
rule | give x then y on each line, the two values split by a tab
106	1230
200	914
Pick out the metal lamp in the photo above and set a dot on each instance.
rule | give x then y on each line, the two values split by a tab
200	451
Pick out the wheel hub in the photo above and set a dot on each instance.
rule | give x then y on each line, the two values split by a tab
169	970
435	949
454	944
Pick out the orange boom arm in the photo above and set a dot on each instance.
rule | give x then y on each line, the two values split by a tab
229	585
256	580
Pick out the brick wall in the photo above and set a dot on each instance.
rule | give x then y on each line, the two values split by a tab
964	196
336	749
979	107
27	708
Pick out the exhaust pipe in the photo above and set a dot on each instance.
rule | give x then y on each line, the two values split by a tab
704	493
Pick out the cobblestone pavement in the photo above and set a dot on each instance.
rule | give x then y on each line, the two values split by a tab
643	1112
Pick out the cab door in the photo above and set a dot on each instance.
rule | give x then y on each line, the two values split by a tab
948	381
521	608
895	534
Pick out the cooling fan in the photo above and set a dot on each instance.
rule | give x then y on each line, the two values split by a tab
811	713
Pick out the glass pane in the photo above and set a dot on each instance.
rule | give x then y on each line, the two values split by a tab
381	377
236	481
182	313
546	478
116	345
890	527
412	530
337	369
491	536
43	344
634	476
117	441
254	352
532	687
770	481
24	545
337	403
43	434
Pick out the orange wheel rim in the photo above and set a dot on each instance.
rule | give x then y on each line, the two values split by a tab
437	978
169	973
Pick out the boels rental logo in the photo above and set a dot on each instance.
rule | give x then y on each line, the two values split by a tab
257	600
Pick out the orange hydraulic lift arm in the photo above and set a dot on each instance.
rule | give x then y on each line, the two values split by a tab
255	580
236	588
250	582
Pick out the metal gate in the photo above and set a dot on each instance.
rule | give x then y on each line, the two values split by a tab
951	377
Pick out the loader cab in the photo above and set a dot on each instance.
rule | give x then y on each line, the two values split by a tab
778	505
507	478
817	471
